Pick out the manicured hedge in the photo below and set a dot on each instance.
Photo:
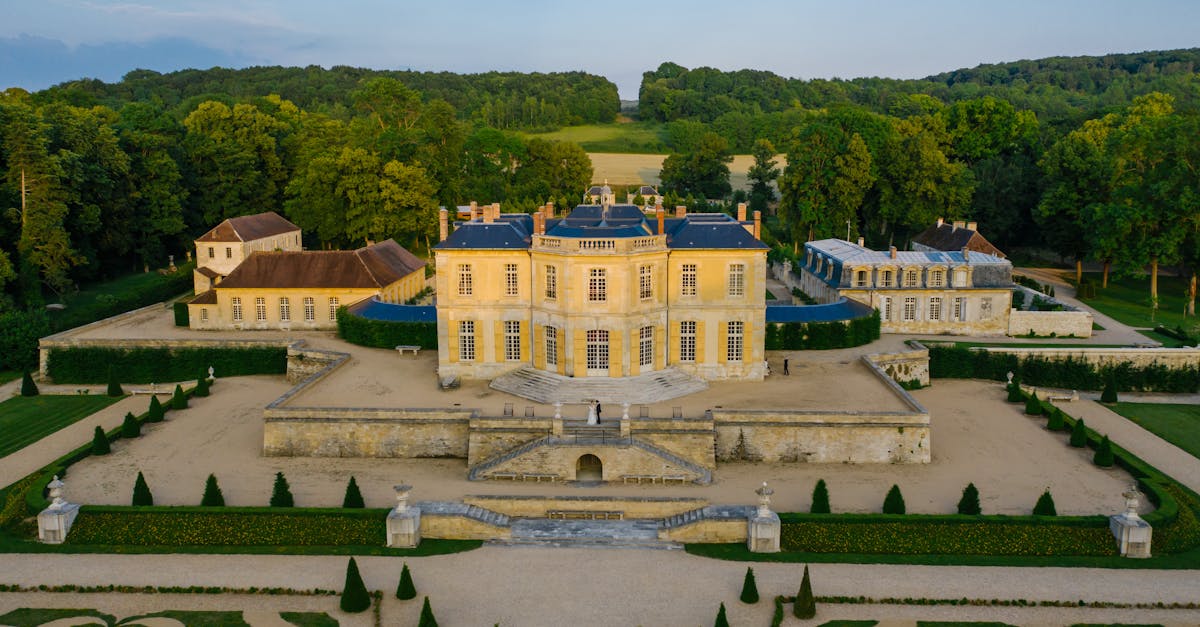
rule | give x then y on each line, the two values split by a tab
227	526
822	335
945	535
955	362
148	365
385	333
181	314
114	301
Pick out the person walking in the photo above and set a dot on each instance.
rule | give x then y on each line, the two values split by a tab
785	365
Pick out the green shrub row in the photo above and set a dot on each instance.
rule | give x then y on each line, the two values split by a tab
111	303
822	335
957	362
88	364
385	333
946	535
229	526
181	314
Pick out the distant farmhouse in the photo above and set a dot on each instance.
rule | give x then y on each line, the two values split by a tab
952	237
599	195
649	194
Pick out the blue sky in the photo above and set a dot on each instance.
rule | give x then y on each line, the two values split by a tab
43	42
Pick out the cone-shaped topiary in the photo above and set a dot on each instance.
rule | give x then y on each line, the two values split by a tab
212	493
354	594
130	428
1014	391
427	619
749	588
353	497
1033	407
1045	505
406	590
179	399
1104	454
281	495
1079	434
805	606
1056	422
28	387
141	492
721	620
969	503
156	411
893	503
820	499
100	444
114	386
1109	395
201	388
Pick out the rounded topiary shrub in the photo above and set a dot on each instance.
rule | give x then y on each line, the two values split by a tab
820	499
1104	454
1079	434
201	388
1015	395
100	445
1056	422
212	493
156	411
1033	407
893	503
281	494
1045	505
354	594
130	428
28	387
969	503
179	400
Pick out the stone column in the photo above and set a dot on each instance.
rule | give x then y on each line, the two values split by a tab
1131	532
763	534
403	522
54	522
625	420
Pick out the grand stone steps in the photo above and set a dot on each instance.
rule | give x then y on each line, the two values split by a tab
479	472
711	512
452	508
548	388
614	534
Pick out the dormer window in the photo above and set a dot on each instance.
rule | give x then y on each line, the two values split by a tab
912	278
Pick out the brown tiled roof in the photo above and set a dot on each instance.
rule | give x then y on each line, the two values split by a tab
208	272
371	267
208	297
247	228
950	238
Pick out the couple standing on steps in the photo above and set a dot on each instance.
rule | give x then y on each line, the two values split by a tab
594	413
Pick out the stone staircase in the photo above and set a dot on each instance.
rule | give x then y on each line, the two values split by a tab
609	534
711	512
480	471
456	508
548	388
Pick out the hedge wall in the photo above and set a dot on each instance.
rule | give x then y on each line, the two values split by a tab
181	314
148	365
822	335
955	362
946	535
228	526
384	333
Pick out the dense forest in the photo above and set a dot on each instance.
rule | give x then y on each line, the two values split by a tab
1092	157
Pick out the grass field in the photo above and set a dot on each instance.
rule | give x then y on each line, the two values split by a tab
27	419
9	375
635	169
1177	424
630	137
1166	340
1128	300
108	298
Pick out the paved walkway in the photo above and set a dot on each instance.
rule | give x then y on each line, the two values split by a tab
1114	332
536	586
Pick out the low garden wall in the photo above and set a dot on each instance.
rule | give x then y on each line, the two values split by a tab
631	507
365	432
1050	323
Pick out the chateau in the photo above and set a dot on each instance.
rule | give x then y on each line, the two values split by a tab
602	292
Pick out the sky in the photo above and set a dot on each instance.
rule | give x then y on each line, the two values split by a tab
45	42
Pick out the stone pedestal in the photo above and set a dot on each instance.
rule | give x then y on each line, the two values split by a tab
403	522
1131	532
762	536
54	522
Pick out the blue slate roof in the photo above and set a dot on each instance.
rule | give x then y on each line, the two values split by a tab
727	233
482	235
844	309
374	309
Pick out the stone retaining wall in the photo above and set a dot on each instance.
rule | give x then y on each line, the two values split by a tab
460	527
708	532
1047	323
908	366
1138	357
631	507
365	432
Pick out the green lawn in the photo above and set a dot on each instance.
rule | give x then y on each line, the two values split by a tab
101	300
1128	300
27	419
1177	424
631	137
9	375
1166	340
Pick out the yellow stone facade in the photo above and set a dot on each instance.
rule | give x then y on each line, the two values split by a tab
611	297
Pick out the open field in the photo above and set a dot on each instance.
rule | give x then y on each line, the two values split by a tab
1177	424
27	419
635	169
629	137
1127	300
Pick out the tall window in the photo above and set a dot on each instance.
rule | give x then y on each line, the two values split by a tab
687	280
333	307
510	279
466	282
687	341
228	252
597	350
310	309
646	346
937	278
597	285
260	309
935	308
285	310
204	314
861	278
910	309
885	308
960	278
960	309
737	279
466	340
885	278
733	344
552	282
512	340
911	278
237	308
211	253
551	346
645	287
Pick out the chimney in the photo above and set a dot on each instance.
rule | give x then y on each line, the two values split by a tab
680	211
940	222
860	241
661	215
550	209
758	225
741	214
474	210
892	252
971	226
443	224
966	253
959	224
486	211
495	211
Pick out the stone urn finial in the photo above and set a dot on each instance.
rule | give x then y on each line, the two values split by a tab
402	491
1009	374
764	499
56	493
211	376
1132	501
